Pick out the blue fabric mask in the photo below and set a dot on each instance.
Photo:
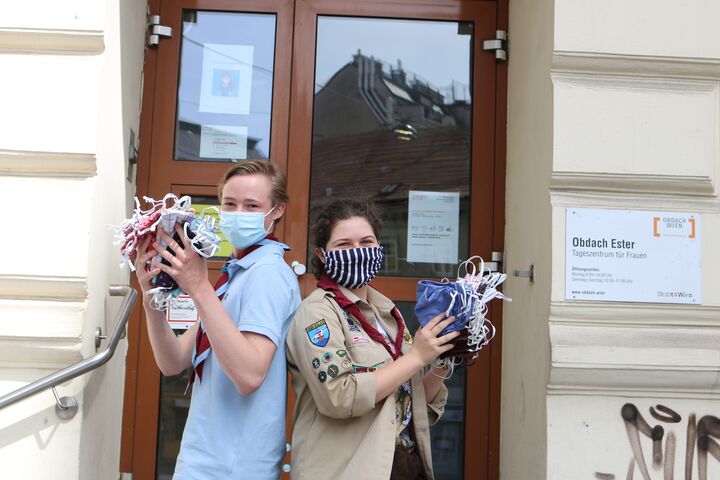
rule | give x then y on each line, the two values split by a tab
465	299
434	298
243	229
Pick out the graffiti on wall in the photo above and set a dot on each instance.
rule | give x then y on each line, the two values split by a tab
701	438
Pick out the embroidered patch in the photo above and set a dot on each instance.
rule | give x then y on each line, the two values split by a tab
359	339
322	376
408	338
364	369
327	356
341	353
316	363
352	326
333	370
318	333
345	363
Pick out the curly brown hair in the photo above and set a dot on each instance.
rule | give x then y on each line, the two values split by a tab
331	214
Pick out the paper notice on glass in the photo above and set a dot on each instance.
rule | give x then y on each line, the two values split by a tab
226	79
433	227
181	313
223	141
632	256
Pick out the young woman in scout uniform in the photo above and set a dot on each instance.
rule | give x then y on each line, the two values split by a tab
364	403
236	424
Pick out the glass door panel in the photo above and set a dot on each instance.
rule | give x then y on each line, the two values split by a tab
174	407
392	110
392	123
225	86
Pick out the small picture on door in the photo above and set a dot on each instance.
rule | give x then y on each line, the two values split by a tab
226	82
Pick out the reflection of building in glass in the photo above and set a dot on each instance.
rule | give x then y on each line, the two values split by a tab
370	95
379	132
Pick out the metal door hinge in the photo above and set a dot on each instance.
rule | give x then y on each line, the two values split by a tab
156	30
498	44
496	263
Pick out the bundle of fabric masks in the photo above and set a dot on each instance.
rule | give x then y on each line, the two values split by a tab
465	299
200	230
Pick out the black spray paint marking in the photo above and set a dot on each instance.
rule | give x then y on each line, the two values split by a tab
604	476
669	470
631	469
702	435
634	425
707	427
690	447
671	415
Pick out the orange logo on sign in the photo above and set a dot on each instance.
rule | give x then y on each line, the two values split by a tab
656	232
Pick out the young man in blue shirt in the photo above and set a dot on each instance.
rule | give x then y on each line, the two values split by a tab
236	423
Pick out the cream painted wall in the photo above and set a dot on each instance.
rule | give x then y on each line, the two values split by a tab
119	111
70	94
636	125
526	349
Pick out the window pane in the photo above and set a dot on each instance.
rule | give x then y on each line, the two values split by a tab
447	437
225	86
391	116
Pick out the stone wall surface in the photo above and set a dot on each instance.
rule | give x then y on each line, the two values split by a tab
70	92
636	126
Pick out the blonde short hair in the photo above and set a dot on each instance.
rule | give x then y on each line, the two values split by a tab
278	180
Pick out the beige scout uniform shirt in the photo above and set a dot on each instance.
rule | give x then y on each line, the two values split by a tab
339	432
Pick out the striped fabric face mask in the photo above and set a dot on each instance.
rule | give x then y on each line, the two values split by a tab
353	267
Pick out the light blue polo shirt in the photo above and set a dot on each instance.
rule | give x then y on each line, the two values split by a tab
229	435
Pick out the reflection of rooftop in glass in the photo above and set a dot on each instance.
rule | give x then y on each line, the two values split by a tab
389	188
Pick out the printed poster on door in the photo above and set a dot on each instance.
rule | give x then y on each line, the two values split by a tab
433	227
223	141
226	80
632	256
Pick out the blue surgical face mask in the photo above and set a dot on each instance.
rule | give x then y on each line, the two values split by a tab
243	229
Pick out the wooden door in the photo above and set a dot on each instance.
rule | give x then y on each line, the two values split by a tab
382	148
394	102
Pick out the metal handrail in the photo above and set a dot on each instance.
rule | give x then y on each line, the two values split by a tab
83	366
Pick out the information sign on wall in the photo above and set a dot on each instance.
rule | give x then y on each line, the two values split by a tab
632	256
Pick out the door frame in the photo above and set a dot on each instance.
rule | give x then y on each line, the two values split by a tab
138	451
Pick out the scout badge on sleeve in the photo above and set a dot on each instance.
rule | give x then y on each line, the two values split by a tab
319	334
466	299
199	229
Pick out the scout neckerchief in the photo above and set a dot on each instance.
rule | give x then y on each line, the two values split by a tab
327	284
202	341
